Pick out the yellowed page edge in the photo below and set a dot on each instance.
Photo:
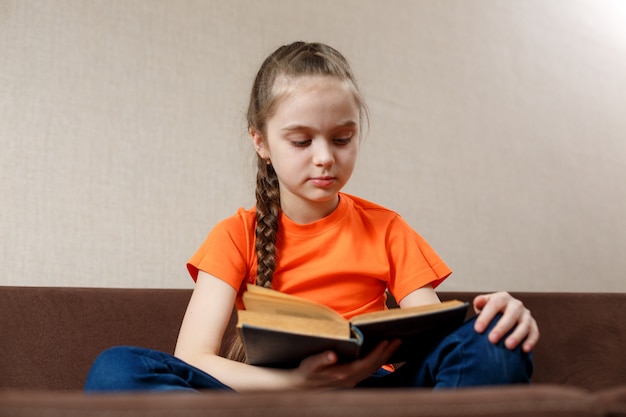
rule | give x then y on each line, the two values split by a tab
298	325
383	315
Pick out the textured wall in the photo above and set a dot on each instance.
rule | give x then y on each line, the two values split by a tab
498	131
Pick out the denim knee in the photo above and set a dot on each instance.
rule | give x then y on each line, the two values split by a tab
110	370
127	368
473	360
462	358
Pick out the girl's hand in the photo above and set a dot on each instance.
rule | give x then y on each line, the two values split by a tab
323	372
514	316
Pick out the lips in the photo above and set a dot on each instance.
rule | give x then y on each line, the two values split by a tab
323	181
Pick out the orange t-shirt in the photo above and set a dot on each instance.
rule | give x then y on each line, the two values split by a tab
346	260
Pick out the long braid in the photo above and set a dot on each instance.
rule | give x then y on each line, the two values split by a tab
267	216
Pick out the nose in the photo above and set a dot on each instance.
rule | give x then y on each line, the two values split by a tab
323	154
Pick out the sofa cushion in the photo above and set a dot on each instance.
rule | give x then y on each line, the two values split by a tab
51	336
613	401
519	401
582	337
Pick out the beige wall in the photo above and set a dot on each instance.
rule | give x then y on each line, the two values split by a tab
498	131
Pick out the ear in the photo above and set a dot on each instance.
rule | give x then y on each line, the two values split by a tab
259	143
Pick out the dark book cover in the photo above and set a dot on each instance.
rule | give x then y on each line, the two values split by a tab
278	349
419	333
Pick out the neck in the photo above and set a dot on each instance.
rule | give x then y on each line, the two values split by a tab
308	212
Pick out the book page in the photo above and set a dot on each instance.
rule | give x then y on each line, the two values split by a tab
292	324
270	301
384	315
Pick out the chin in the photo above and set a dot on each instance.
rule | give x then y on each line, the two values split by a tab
325	197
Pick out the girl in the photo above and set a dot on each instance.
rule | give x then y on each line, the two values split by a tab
305	237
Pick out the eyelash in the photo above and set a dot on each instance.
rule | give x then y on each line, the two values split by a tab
337	141
342	141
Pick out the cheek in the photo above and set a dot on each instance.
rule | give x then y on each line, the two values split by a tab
349	156
284	165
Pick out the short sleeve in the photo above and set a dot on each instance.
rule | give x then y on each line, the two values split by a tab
226	252
413	262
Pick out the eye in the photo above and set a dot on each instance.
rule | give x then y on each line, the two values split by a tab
301	143
343	140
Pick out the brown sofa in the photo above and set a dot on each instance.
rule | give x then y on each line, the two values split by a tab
50	336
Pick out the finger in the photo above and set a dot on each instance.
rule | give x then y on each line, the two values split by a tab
317	362
479	302
512	317
490	305
391	348
532	338
527	331
366	366
520	333
348	374
381	354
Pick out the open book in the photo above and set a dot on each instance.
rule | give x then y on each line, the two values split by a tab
279	330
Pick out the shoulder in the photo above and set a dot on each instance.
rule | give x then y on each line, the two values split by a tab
370	209
237	229
227	252
242	220
373	216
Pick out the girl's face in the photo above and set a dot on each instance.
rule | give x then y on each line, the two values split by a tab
312	141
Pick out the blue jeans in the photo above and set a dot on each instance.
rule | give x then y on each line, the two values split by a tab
463	358
127	368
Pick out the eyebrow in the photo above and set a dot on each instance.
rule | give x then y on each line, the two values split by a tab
296	127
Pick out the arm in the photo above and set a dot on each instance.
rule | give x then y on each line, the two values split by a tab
421	296
514	316
201	335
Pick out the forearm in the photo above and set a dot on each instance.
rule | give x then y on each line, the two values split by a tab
199	340
243	377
